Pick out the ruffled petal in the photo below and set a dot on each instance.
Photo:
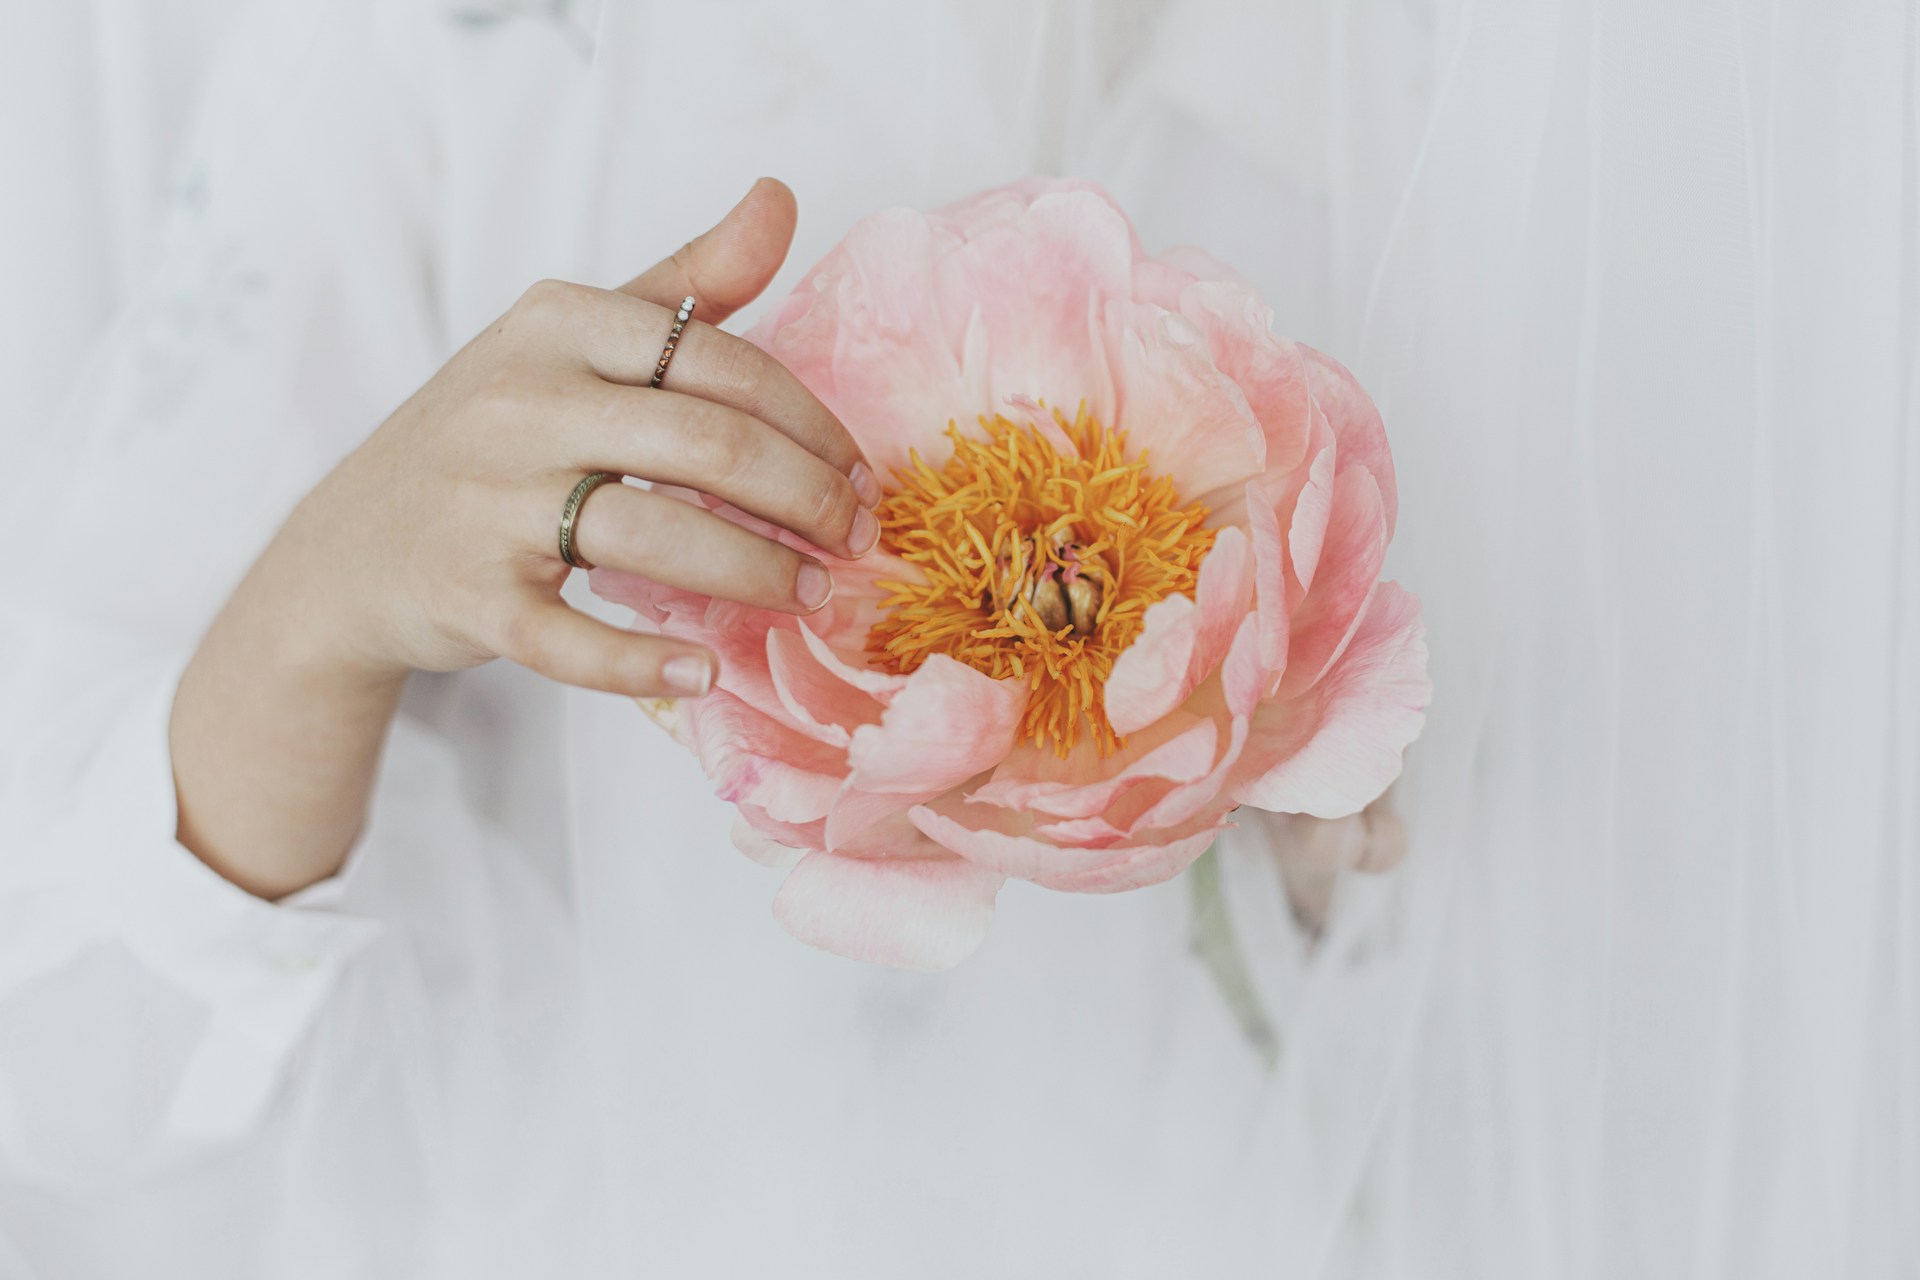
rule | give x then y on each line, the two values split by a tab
1354	550
1149	679
1332	751
1271	372
925	913
1307	530
1244	681
870	340
754	759
949	723
1074	869
1186	417
1182	639
1001	206
881	684
1037	284
1356	424
1181	758
1269	569
762	848
825	706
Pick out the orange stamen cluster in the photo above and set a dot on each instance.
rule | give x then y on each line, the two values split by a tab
1018	517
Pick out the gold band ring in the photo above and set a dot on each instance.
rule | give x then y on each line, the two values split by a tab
570	515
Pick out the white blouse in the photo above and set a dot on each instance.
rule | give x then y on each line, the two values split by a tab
1640	1001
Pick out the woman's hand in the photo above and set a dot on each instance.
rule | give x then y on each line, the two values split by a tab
434	546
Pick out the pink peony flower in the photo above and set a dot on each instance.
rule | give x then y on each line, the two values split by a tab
1128	580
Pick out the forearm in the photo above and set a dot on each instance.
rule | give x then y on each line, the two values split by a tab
275	739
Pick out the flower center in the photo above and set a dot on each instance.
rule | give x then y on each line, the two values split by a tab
1039	555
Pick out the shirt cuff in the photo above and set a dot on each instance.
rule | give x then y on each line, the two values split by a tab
99	867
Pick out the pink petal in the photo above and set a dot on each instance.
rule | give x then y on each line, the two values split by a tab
1244	681
1006	205
1270	569
1351	557
871	341
642	595
1185	416
1143	865
1225	592
1149	678
1036	284
1332	751
855	811
949	723
925	913
1182	641
1356	425
755	759
1272	372
825	706
1030	411
1160	283
1307	532
737	635
1071	869
1081	833
763	849
1197	264
1181	758
881	684
794	835
893	836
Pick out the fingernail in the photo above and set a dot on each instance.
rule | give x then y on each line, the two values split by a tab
864	484
688	674
865	532
812	585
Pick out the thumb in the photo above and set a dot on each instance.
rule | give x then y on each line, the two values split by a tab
726	267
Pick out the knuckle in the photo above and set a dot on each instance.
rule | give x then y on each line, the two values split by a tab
726	445
622	665
546	297
522	638
832	504
739	372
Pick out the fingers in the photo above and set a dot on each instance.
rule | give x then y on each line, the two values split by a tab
703	445
619	338
548	637
729	370
681	545
727	266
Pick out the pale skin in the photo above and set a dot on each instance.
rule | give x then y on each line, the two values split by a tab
433	546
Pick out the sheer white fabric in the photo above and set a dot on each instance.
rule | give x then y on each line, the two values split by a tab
1637	287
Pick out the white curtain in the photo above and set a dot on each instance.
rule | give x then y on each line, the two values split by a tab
1637	286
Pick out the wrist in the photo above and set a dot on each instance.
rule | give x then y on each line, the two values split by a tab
313	624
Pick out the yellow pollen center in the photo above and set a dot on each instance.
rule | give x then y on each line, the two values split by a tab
1038	559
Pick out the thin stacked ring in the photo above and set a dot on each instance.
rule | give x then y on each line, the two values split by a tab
680	318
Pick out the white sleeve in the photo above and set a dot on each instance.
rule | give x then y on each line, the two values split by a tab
287	312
